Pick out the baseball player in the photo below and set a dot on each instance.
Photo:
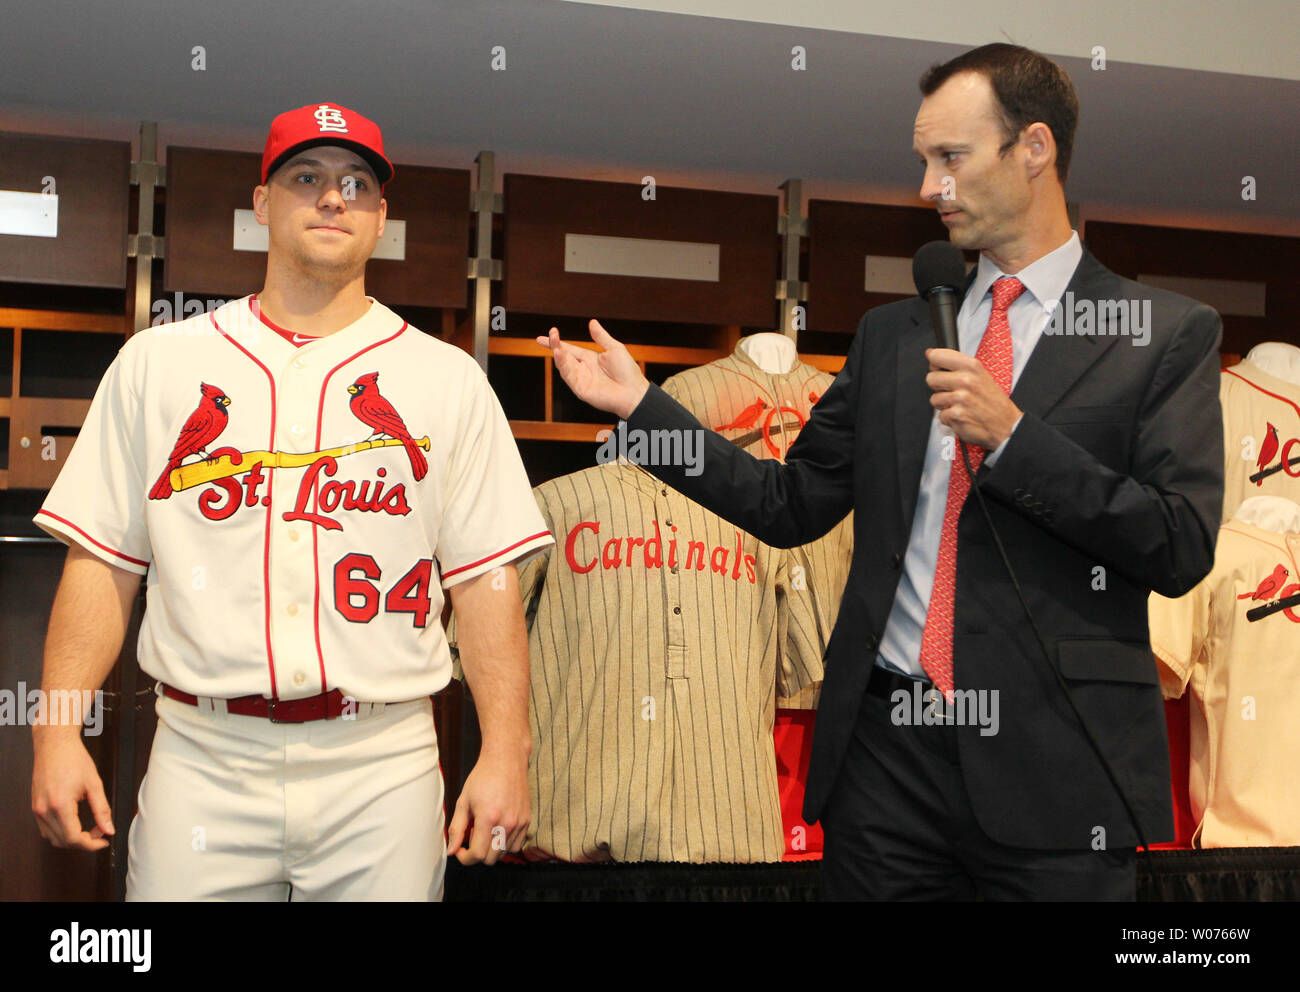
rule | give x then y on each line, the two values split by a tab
300	474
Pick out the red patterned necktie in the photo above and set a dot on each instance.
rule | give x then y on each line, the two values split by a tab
994	354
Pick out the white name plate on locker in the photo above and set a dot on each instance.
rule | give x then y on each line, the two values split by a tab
252	236
641	257
890	274
1235	297
35	215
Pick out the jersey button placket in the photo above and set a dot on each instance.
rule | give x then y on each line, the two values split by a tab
677	645
292	566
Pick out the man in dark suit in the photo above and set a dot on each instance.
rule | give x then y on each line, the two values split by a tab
951	756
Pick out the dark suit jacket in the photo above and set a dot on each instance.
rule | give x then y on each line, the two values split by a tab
1110	487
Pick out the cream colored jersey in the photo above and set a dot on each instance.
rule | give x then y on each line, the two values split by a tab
1228	644
654	682
298	510
763	413
1261	436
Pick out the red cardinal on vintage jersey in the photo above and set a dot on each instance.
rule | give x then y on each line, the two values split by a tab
1269	588
378	414
202	428
1266	452
748	417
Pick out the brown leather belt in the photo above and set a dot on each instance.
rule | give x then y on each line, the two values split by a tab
325	706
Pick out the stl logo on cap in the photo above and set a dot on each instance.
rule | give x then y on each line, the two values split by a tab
317	124
330	119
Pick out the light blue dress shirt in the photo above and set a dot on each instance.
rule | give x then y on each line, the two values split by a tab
1045	281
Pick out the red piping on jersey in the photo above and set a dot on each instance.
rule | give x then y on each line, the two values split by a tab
531	537
315	494
270	488
98	544
1254	385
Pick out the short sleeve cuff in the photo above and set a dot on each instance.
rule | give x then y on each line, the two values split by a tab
69	533
523	549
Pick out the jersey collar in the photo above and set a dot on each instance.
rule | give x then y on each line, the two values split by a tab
245	323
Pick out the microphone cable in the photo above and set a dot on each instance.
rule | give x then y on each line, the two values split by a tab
1069	694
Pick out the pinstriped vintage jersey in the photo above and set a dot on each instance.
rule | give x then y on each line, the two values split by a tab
653	679
763	413
1261	436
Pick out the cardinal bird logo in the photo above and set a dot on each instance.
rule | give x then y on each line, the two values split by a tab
378	414
203	427
748	417
1270	587
1266	452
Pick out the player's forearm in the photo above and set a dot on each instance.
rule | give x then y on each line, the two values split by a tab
92	607
493	646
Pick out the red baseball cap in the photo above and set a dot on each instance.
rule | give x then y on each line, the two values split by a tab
324	124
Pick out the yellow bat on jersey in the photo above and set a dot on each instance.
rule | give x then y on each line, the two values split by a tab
208	470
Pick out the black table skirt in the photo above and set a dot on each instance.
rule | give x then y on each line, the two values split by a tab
1221	874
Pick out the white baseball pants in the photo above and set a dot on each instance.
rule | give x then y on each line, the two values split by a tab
240	808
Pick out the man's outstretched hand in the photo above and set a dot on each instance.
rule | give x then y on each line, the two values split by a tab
609	379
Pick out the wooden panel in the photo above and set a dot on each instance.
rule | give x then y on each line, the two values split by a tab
205	187
540	211
840	237
29	419
1138	249
92	179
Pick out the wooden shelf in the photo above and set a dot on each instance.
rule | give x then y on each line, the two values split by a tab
58	320
585	433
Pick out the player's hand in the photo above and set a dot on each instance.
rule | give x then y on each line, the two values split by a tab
63	775
609	380
493	809
968	399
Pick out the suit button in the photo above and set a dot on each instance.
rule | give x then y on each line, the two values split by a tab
873	642
1019	493
897	560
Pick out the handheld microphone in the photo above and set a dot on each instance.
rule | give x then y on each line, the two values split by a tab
939	271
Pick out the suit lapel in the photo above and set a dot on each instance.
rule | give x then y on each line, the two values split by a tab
1059	360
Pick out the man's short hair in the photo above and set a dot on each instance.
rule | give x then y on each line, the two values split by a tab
1029	88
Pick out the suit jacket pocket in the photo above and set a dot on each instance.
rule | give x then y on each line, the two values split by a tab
1105	660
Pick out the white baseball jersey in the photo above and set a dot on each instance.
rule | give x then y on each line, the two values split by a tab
1227	644
1261	436
298	509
